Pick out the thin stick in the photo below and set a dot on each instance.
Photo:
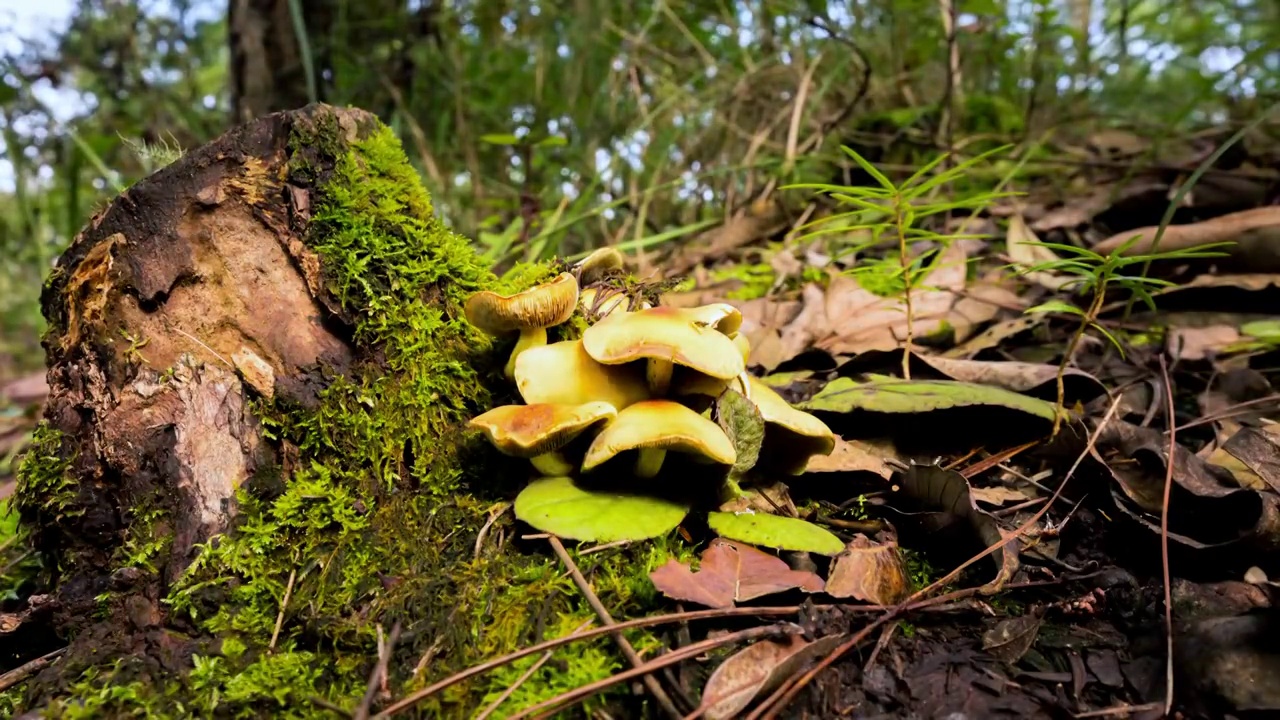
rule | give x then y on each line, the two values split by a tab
1164	539
524	678
564	699
488	665
775	702
633	657
26	670
379	672
288	592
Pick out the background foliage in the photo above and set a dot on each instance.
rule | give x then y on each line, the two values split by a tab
544	127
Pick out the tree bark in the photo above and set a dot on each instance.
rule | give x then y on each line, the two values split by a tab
267	69
274	316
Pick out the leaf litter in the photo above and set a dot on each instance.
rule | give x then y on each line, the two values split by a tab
945	448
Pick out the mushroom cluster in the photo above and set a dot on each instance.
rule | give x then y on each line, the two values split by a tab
637	385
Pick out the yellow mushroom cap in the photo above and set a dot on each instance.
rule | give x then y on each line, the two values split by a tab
563	373
541	306
663	333
661	425
599	263
791	436
530	430
721	316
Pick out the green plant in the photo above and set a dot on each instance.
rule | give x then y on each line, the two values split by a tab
1096	275
895	211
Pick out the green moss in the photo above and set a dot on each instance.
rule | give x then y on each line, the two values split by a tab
46	491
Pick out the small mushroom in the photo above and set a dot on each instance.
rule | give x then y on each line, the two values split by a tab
663	337
563	373
598	264
653	428
791	436
538	432
529	311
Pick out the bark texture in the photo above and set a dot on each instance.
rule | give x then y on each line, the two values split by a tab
267	70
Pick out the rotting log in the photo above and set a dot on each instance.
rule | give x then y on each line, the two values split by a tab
252	463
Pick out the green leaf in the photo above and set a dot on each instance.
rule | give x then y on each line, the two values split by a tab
552	141
871	169
500	139
1059	306
775	531
742	422
558	506
844	395
1265	330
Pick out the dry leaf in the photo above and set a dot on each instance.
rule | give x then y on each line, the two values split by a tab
1199	343
757	670
1253	457
998	495
730	572
852	456
1019	242
1225	228
870	572
1010	639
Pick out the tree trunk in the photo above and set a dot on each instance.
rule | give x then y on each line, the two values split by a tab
252	448
268	73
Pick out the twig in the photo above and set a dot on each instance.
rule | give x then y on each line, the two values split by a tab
523	678
284	604
484	529
603	547
1164	540
379	672
1118	710
885	635
26	670
1228	412
670	658
650	681
775	702
488	665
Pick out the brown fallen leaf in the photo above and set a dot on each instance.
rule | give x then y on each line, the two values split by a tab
995	335
1011	638
731	571
1199	343
1020	243
853	456
1225	228
869	571
756	670
1253	457
998	495
772	499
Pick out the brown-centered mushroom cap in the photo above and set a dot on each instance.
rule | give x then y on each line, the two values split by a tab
527	431
654	427
664	336
791	436
541	306
563	373
538	432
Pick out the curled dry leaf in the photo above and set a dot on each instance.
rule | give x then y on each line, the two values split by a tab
757	670
1020	242
1253	457
1226	228
731	572
871	572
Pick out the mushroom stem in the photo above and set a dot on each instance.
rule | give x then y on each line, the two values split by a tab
552	464
746	386
649	461
531	338
658	374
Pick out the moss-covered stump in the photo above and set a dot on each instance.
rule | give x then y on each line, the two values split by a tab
252	463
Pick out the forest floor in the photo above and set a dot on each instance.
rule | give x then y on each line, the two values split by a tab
1148	518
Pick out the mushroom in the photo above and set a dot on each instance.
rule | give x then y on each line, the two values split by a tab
530	311
599	263
664	337
563	373
654	427
723	316
538	432
791	436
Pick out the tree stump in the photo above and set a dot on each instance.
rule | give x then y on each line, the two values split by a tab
252	464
